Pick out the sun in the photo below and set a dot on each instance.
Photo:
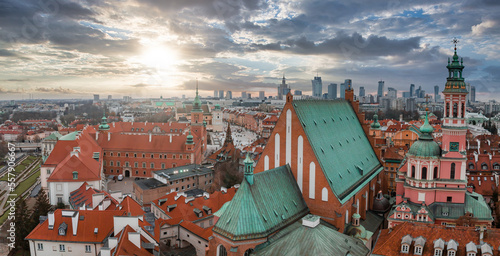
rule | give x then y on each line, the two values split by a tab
159	57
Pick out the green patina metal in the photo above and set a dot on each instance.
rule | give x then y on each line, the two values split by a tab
339	143
257	210
375	124
53	136
455	82
197	101
322	239
70	136
425	146
104	126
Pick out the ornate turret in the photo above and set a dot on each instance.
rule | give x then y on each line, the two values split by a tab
104	123
189	139
229	138
197	101
455	81
425	146
249	169
375	124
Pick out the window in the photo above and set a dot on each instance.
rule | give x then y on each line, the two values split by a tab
143	155
135	155
110	163
126	164
484	166
126	155
163	165
471	254
404	248
143	164
152	165
136	164
455	115
452	172
48	171
447	114
451	253
173	156
117	163
438	252
75	175
324	194
119	154
413	171
448	199
88	248
62	248
418	250
152	156
248	252
435	173
221	251
471	166
136	172
39	246
111	153
424	173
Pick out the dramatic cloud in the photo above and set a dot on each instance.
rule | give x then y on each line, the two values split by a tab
140	47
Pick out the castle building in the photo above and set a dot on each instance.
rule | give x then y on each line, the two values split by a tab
431	182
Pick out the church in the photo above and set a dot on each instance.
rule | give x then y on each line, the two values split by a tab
431	181
318	170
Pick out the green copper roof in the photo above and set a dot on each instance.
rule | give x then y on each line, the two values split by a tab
298	239
53	136
104	124
271	203
375	124
474	203
425	146
70	136
197	101
455	82
189	139
339	143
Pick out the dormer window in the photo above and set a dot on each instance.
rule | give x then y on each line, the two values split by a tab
438	252
405	248
451	253
75	175
62	229
418	250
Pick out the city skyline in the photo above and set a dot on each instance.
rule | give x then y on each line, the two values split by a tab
145	48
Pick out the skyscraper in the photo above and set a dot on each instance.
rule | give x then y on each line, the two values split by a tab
332	91
392	93
317	87
297	92
215	93
380	91
244	95
229	94
342	90
473	94
436	93
282	87
96	97
361	91
262	95
221	94
412	90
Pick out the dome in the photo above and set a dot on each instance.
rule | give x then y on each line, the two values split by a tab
425	148
357	232
375	124
380	203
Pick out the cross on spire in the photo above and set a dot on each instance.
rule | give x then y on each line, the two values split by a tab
455	42
427	97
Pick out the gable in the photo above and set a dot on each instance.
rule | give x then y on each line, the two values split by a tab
339	144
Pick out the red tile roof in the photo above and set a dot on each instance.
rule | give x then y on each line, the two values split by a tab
140	142
126	247
389	242
204	233
84	194
185	210
102	220
131	206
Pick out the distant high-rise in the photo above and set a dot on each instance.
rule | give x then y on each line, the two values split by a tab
332	91
317	87
229	95
392	93
249	95
406	94
342	90
412	90
96	97
262	95
215	93
473	94
436	93
244	95
221	94
110	97
282	88
361	91
380	91
297	92
347	84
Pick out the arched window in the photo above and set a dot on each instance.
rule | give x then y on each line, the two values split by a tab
471	166
435	172
463	110
312	180
452	172
248	252
424	173
413	171
484	166
346	216
455	110
221	251
447	114
324	194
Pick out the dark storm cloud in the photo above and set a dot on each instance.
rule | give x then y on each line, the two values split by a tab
348	46
6	53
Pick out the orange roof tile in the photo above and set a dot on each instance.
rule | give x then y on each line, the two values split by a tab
126	247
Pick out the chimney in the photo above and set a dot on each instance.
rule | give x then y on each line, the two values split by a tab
170	138
478	145
109	136
113	124
149	136
105	251
481	235
112	242
51	220
74	222
135	238
97	135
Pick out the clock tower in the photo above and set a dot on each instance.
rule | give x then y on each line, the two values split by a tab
454	153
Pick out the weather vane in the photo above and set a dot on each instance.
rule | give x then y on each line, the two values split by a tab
455	41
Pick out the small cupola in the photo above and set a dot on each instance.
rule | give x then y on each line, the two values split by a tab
355	219
249	169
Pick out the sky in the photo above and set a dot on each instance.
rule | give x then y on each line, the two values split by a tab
152	48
